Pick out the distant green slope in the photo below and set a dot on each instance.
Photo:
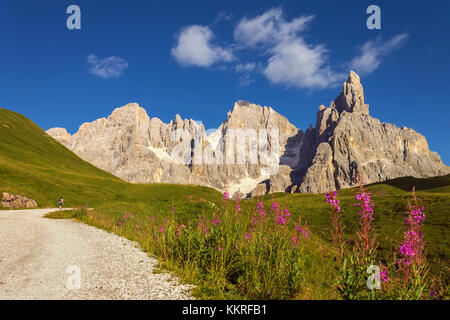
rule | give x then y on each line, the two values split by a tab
434	184
35	165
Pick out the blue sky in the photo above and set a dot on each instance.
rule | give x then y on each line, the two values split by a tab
196	58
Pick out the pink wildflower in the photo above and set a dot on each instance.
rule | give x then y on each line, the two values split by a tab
330	198
412	245
384	276
260	209
181	226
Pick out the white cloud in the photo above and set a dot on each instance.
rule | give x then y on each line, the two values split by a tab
373	51
195	48
297	64
269	27
110	67
292	61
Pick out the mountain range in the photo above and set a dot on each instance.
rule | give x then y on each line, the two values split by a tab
256	150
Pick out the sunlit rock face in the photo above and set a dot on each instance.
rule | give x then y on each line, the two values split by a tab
344	141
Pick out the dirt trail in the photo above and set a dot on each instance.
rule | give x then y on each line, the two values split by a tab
40	259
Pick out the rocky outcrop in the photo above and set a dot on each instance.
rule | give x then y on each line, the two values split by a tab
347	141
16	201
60	134
344	141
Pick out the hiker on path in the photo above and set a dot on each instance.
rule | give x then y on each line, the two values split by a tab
60	203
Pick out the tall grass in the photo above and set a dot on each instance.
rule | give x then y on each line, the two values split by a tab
261	252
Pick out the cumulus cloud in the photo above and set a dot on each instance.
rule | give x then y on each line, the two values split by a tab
269	27
373	51
296	64
110	67
292	61
194	47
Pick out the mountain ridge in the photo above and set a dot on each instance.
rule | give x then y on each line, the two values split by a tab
345	140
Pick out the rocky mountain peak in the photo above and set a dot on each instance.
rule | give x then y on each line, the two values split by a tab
130	114
351	97
353	78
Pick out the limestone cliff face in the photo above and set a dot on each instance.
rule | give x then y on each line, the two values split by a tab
138	149
348	140
345	140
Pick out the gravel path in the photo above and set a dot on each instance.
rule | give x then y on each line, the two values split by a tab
40	259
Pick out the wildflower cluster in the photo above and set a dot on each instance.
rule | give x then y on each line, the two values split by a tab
203	226
366	244
238	203
412	246
365	204
281	218
260	209
330	198
337	224
301	230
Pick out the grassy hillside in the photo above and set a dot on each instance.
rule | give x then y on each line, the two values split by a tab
35	165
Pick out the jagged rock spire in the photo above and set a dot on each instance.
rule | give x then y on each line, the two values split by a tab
351	98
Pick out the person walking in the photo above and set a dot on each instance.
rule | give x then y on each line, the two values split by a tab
60	203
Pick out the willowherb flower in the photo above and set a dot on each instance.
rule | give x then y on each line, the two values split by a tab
260	209
417	216
301	230
411	246
281	218
215	222
330	198
180	227
226	196
384	276
366	243
220	249
161	229
247	235
152	218
294	240
411	249
238	203
202	226
365	204
275	207
337	224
